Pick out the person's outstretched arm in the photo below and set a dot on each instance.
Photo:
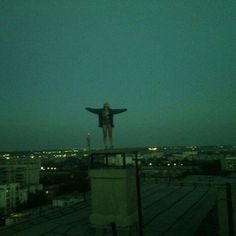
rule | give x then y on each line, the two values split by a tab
117	111
93	110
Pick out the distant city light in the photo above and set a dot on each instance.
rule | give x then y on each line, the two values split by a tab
152	148
7	156
150	164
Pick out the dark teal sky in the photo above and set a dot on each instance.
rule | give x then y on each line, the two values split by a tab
171	63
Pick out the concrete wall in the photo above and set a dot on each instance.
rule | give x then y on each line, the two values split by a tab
114	197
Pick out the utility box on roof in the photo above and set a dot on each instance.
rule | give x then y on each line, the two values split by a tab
114	197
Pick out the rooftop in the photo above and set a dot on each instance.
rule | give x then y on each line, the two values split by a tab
169	208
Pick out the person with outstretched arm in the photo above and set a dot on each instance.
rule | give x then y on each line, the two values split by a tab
105	118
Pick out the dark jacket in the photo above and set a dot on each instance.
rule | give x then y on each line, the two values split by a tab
112	112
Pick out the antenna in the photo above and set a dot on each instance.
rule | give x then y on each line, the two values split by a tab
88	139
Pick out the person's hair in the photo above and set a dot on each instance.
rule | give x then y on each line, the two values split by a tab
106	104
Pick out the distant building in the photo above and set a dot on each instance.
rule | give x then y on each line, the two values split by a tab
153	153
20	170
229	164
187	154
18	177
11	195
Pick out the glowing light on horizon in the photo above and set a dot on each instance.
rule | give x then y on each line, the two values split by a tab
152	148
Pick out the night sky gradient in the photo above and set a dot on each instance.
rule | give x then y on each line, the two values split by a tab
172	64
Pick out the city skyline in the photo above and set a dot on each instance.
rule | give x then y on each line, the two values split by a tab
171	64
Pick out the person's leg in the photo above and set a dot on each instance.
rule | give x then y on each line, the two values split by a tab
110	136
104	129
